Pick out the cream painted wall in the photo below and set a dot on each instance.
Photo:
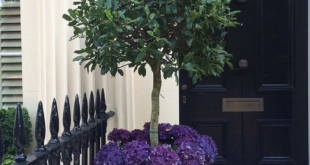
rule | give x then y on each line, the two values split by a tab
48	72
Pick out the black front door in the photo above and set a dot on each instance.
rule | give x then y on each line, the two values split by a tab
257	113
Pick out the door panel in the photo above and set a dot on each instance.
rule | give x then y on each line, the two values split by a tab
267	39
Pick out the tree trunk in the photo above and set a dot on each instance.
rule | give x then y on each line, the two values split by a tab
155	103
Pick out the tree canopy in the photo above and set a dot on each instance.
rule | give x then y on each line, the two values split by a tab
137	32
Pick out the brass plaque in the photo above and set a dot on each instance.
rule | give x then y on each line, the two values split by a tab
243	104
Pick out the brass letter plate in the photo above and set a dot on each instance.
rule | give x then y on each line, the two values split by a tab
243	104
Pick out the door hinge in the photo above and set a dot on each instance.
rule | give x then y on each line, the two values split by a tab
184	99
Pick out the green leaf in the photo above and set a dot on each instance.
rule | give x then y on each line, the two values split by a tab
189	67
142	70
152	16
140	57
116	44
136	2
230	65
78	58
72	23
176	78
93	67
108	14
179	19
120	72
147	9
121	14
119	29
128	27
189	42
168	9
197	26
155	52
173	8
104	70
141	43
188	57
150	33
66	17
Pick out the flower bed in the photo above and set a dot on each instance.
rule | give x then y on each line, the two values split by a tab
179	145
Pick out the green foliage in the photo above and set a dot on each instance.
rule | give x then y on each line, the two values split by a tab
7	118
140	32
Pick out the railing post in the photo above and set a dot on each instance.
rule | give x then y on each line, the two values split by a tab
76	128
84	148
103	107
66	118
76	115
84	136
66	151
19	135
40	131
92	130
98	126
91	108
1	145
54	124
76	150
40	128
84	111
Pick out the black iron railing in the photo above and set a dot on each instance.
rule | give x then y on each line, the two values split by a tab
84	138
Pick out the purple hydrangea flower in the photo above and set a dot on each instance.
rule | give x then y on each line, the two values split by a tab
190	153
109	154
136	152
164	131
184	133
119	135
190	147
140	135
181	130
163	155
208	145
146	127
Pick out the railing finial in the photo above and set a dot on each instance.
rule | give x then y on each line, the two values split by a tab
40	128
84	111
19	135
54	124
76	114
66	118
91	108
98	113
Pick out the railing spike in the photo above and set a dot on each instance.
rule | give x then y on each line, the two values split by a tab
76	114
98	113
54	124
19	135
84	111
91	108
40	128
1	145
103	105
66	118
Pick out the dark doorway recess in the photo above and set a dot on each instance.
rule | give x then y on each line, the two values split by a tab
259	114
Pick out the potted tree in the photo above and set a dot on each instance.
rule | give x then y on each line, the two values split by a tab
166	35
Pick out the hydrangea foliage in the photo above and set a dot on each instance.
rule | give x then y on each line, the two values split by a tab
180	145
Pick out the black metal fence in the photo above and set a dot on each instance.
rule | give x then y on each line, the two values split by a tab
83	140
